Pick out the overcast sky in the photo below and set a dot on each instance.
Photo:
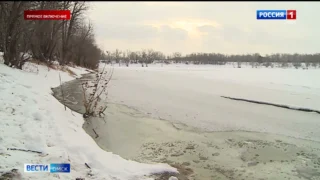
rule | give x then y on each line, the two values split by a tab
221	27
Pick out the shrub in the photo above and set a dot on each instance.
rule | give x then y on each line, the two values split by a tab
94	91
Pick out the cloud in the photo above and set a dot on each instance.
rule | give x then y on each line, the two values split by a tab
127	32
237	40
207	28
136	36
140	32
171	34
228	27
230	34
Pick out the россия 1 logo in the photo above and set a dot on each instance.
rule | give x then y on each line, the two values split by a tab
276	14
52	168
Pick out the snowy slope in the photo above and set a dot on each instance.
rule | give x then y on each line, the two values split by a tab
32	119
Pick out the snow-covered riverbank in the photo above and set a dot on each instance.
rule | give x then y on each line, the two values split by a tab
32	119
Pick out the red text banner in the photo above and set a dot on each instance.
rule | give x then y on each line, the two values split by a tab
47	15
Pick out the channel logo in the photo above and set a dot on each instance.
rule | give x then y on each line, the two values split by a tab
52	168
59	168
36	168
276	14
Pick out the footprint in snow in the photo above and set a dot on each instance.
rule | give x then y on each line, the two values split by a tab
26	86
22	97
34	92
37	116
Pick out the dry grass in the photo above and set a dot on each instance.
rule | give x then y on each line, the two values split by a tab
70	72
51	66
55	67
35	61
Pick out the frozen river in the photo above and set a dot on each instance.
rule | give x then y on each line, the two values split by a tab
191	95
172	114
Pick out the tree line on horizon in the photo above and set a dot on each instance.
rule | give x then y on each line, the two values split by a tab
148	56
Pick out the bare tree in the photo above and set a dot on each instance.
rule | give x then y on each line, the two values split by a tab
46	34
176	56
13	34
133	56
117	55
127	57
82	39
144	57
151	55
63	40
69	26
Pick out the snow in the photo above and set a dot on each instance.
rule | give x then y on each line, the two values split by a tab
1	57
79	70
32	119
191	94
173	178
302	82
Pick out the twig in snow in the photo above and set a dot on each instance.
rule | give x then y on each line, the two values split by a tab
87	165
72	113
95	133
56	176
15	149
102	109
65	107
104	121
